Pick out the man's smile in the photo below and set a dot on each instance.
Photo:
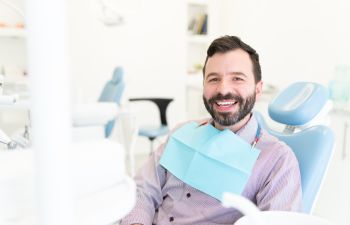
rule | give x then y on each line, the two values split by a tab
225	105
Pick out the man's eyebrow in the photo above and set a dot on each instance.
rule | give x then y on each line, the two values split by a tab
212	74
232	73
238	73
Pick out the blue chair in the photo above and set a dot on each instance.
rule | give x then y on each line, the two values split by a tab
298	107
112	92
154	131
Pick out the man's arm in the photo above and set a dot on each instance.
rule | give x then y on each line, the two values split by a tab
282	189
149	181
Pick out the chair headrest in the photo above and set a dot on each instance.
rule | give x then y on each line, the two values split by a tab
299	103
118	75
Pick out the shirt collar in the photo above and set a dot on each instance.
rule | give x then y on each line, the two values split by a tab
247	132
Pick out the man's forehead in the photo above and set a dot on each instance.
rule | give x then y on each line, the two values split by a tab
230	62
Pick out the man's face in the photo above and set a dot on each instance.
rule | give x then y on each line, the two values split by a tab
229	87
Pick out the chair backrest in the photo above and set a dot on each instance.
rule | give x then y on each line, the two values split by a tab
162	104
112	92
312	146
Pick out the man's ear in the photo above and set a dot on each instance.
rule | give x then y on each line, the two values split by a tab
258	89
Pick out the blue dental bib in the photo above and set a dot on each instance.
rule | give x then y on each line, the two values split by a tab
209	160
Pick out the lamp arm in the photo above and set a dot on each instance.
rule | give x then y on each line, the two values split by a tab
13	7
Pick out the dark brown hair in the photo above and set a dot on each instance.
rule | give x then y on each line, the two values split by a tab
228	43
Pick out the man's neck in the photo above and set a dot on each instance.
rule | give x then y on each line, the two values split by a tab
235	127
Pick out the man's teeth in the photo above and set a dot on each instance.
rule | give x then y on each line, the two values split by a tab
225	103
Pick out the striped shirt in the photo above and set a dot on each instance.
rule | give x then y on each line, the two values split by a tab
162	199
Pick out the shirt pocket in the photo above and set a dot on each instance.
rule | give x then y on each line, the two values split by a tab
172	192
173	188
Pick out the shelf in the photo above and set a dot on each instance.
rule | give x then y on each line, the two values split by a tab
197	18
16	79
12	33
198	2
341	112
195	80
198	39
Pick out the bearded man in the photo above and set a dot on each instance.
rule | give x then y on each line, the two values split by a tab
167	190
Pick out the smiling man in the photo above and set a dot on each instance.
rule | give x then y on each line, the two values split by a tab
232	83
230	86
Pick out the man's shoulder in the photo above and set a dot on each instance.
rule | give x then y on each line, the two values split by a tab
275	156
271	145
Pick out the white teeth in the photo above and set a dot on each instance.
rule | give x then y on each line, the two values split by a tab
225	103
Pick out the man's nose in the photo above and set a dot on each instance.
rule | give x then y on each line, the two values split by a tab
224	88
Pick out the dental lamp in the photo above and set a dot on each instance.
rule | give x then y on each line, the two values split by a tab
17	10
106	13
6	140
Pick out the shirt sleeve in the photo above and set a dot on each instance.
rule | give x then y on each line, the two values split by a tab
149	181
282	189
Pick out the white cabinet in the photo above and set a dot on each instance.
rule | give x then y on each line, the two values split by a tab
13	61
334	199
198	30
202	26
205	21
196	44
194	100
13	65
12	33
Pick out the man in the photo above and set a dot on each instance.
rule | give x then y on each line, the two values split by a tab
232	82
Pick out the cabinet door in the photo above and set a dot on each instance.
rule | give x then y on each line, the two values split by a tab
195	106
334	199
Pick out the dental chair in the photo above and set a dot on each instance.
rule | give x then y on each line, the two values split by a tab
96	120
112	92
153	131
302	107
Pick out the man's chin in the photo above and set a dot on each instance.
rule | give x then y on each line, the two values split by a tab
224	123
225	120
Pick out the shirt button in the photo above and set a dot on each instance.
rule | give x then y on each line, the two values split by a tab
171	219
188	195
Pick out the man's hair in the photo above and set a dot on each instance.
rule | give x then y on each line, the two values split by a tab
228	43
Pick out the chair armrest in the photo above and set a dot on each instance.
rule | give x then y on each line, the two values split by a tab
94	114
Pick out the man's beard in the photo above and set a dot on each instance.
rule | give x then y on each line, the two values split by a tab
245	106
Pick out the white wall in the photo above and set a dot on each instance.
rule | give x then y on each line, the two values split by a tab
13	63
150	46
301	40
12	54
296	40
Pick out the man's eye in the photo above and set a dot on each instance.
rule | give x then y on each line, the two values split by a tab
237	79
213	79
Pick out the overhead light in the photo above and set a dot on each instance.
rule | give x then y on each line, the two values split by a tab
107	13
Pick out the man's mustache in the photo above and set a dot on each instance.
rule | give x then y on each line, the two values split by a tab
228	96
